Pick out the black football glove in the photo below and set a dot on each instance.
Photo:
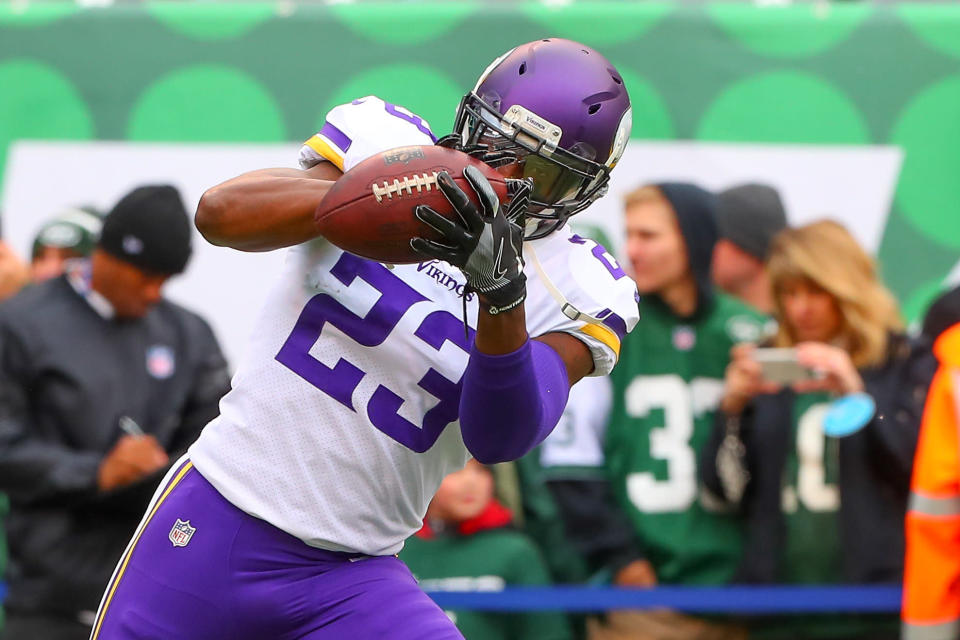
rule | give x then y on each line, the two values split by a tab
486	245
518	190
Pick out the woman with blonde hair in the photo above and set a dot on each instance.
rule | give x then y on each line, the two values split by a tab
824	256
822	509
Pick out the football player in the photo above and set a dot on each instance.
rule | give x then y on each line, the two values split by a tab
362	388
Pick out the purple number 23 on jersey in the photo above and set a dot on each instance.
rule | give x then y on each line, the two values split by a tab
371	330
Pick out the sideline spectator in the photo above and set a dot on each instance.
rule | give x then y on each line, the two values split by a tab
748	217
102	382
931	585
944	312
823	510
72	233
14	273
467	543
665	390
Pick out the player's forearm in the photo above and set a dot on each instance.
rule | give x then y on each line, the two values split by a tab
261	210
510	402
501	333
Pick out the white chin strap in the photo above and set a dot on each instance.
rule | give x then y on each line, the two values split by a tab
565	305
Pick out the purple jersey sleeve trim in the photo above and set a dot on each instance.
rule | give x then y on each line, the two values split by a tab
337	137
413	119
614	322
511	402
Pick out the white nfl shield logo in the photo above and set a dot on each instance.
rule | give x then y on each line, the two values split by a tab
160	361
684	338
181	533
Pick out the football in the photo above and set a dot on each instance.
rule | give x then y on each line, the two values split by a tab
369	211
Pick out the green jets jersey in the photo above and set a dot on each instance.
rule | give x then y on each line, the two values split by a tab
811	497
486	561
666	388
810	504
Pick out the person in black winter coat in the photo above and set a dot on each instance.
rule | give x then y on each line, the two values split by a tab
103	384
822	510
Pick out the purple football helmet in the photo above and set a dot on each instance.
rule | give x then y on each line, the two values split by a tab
557	108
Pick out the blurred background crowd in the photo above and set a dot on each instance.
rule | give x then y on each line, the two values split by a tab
785	413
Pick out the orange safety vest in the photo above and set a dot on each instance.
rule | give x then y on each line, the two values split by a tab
931	589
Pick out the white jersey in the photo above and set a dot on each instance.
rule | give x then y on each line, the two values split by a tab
342	419
578	439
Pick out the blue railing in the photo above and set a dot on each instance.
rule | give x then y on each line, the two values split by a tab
735	600
731	600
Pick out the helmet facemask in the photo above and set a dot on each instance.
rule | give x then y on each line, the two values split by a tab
564	181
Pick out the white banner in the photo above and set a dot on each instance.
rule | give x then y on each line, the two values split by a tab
852	184
223	285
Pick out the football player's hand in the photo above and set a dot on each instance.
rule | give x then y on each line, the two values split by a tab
132	458
486	245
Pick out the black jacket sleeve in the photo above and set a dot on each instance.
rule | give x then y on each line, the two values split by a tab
34	468
899	390
595	524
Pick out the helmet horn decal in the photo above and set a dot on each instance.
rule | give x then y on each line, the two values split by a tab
620	141
493	65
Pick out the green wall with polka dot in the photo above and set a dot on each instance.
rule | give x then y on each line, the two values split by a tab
845	74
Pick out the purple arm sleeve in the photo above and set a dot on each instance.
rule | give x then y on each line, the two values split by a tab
511	402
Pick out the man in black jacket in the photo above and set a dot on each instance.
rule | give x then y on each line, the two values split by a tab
103	384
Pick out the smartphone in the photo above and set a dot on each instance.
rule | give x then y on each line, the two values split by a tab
781	366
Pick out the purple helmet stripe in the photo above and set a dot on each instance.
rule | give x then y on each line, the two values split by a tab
337	137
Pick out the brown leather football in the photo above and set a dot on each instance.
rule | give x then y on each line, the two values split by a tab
369	211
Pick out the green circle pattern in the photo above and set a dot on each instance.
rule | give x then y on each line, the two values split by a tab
920	299
929	190
423	90
35	14
783	106
39	103
651	117
933	26
794	31
206	103
418	22
607	23
208	21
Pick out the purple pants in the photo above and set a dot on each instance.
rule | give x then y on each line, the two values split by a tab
201	569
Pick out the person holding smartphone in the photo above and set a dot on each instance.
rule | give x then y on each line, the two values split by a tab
821	510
